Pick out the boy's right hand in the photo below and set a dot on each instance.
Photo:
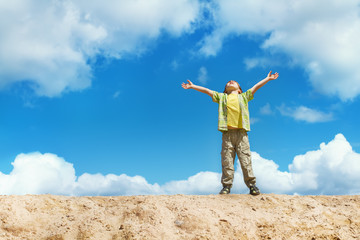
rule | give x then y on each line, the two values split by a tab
188	85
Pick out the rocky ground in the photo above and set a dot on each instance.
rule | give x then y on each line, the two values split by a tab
267	216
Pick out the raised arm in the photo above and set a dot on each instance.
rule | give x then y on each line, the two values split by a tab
264	81
190	85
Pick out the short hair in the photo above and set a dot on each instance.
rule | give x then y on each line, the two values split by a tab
240	91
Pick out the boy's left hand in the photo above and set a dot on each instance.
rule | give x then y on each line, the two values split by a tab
188	85
272	76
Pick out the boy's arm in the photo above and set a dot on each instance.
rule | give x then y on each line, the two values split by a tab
264	81
190	85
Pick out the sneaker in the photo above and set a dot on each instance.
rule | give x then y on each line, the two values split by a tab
254	190
225	190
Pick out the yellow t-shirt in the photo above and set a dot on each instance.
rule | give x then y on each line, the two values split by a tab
244	99
233	111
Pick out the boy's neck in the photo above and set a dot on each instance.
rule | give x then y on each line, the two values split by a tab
234	92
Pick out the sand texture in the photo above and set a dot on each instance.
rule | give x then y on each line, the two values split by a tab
234	216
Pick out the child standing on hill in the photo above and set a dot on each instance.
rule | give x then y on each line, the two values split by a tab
234	123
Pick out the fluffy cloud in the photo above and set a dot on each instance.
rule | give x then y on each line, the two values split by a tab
98	184
47	45
321	36
50	45
332	169
203	75
38	174
133	24
201	183
306	114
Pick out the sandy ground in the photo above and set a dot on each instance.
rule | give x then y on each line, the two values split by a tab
267	216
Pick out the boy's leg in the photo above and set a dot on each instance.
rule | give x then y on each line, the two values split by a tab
227	160
244	155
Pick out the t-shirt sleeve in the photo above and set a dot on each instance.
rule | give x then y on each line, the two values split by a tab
216	97
249	95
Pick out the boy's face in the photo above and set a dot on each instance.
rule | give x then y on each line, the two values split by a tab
232	86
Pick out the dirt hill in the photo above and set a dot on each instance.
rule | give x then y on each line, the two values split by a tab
267	216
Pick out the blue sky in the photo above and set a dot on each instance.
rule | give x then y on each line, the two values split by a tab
91	100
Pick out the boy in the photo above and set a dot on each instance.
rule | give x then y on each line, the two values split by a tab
234	123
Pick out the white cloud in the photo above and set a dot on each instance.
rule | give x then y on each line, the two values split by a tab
49	45
132	24
203	75
201	183
332	169
263	62
306	114
321	36
46	44
38	174
266	109
111	184
269	177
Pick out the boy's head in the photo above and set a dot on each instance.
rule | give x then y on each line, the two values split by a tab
232	86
